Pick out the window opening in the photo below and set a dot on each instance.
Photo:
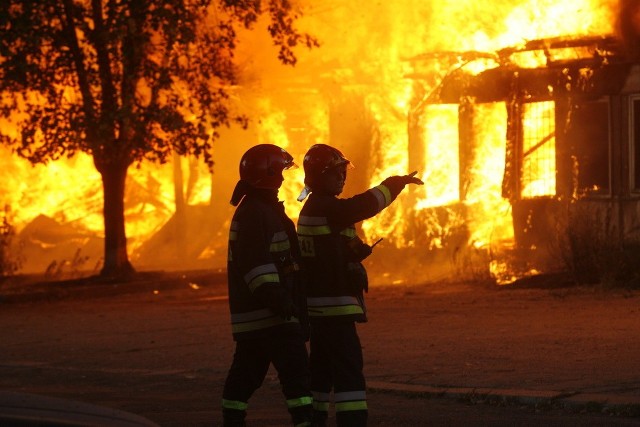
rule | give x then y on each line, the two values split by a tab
538	150
589	134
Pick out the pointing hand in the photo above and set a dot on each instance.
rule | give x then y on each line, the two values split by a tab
397	183
411	179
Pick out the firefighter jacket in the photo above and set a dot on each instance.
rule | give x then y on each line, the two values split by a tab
263	256
330	255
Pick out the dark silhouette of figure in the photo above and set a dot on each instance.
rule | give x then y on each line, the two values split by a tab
264	286
331	256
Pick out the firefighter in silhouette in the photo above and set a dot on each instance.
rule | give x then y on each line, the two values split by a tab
332	255
264	286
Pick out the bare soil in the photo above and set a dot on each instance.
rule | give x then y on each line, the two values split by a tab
161	349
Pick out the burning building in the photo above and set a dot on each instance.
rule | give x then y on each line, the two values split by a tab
512	112
569	111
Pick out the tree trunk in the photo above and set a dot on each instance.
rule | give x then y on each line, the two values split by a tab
116	259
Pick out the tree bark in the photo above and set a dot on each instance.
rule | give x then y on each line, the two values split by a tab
116	259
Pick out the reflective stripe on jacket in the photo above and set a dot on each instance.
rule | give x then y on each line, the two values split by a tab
326	225
260	254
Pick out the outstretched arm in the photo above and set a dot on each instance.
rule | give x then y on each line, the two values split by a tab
344	212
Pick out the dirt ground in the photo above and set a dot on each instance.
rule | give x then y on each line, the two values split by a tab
161	350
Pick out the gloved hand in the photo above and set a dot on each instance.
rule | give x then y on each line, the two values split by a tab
397	183
279	301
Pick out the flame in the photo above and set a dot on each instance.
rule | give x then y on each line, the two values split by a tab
364	55
490	216
539	166
70	192
462	26
442	175
53	189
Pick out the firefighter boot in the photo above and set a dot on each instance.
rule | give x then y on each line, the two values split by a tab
233	418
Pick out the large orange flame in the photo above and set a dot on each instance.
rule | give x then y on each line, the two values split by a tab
363	55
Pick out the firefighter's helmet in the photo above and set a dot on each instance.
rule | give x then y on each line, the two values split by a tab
319	159
262	165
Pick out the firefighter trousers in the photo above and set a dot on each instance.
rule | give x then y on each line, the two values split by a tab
288	353
336	364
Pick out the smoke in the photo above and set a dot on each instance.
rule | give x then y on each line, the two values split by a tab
628	26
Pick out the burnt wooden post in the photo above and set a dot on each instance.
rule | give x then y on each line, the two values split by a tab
565	167
466	144
416	145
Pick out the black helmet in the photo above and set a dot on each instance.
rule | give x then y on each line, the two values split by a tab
319	159
262	165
